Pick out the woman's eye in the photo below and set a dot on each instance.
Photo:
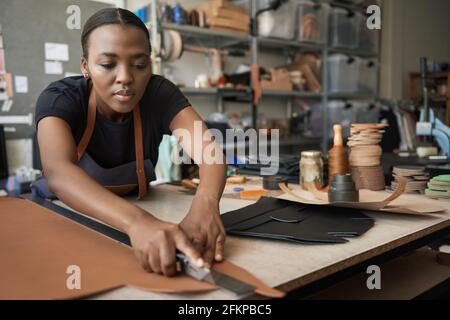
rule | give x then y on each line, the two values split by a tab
141	66
107	65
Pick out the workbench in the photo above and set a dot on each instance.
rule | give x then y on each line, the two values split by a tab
299	270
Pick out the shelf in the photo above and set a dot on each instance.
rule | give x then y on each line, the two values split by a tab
208	36
239	92
215	91
354	52
289	94
280	43
214	37
348	6
438	75
363	96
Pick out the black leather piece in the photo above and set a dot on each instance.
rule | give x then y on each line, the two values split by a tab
296	222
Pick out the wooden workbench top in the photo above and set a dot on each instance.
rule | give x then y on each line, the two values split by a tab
284	265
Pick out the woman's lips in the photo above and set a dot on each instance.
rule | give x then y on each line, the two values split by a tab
123	95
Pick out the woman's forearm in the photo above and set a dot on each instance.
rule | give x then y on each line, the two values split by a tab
76	189
212	180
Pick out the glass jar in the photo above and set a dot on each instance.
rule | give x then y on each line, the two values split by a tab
311	169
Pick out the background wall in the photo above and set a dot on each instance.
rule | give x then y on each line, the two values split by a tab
26	26
411	29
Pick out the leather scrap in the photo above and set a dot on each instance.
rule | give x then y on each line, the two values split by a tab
37	246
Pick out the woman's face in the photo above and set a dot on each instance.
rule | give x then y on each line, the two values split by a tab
119	66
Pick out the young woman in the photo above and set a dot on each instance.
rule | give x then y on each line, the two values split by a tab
99	134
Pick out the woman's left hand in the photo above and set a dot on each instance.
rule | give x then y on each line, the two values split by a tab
204	228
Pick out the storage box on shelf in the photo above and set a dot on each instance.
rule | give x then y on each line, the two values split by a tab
311	21
343	73
368	76
277	24
369	40
344	27
345	113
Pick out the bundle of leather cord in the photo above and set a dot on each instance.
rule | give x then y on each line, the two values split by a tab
337	156
365	163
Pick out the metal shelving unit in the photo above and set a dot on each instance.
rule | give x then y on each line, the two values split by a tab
213	38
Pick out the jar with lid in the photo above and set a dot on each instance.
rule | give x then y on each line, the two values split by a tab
311	169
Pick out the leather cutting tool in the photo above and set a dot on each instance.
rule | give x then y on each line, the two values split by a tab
214	277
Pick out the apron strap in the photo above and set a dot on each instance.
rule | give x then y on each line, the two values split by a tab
92	111
138	140
139	146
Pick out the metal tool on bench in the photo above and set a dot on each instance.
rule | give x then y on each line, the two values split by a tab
429	125
202	274
214	277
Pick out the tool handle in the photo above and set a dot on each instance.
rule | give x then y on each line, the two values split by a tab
338	139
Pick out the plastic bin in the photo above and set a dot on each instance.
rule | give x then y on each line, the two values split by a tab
311	21
368	76
344	28
343	73
367	111
279	23
339	112
368	39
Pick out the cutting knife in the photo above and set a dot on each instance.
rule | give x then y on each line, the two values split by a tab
214	277
203	274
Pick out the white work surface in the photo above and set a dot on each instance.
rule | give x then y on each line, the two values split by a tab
283	265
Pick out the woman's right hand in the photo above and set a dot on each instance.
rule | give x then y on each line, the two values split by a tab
155	243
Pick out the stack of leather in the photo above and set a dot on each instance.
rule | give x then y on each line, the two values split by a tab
222	14
439	188
365	163
416	178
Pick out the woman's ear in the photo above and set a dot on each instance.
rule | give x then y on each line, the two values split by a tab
84	67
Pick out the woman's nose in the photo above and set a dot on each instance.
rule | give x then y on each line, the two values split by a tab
124	75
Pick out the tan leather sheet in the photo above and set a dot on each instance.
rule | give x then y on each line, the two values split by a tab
37	246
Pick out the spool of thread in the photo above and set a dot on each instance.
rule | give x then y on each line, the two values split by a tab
342	189
337	156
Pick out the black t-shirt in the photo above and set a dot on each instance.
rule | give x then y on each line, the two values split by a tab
112	144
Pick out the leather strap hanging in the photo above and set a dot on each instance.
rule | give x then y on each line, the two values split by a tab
138	140
138	143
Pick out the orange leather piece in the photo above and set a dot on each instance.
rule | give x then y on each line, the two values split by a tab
37	246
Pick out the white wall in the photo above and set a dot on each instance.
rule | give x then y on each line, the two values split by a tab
411	29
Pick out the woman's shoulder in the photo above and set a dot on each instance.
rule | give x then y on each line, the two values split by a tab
70	90
75	87
66	99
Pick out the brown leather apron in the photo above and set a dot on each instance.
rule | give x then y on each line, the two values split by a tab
120	180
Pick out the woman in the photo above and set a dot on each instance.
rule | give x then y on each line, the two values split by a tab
104	129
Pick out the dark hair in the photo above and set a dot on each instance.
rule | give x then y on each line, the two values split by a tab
111	16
